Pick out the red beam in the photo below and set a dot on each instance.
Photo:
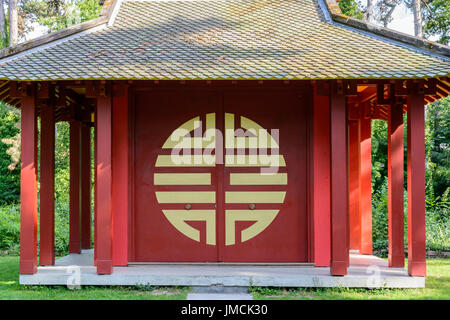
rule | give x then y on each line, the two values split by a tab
354	184
28	187
321	179
396	257
365	201
416	186
86	241
339	182
120	179
75	188
103	168
47	192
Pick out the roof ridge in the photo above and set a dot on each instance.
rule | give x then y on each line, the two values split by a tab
105	14
337	16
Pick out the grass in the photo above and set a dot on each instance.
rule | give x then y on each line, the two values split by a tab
10	289
437	287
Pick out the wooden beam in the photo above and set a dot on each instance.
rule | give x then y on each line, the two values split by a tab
339	182
120	155
354	184
396	256
321	175
104	226
28	187
365	201
86	240
47	192
75	187
416	185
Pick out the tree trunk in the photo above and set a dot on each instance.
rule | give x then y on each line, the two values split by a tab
369	11
2	24
417	19
13	23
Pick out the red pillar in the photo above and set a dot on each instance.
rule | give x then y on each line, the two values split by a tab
120	179
86	240
339	182
103	167
396	257
365	201
75	187
47	192
416	186
321	179
354	184
28	187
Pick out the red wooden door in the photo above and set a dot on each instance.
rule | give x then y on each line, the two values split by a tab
203	189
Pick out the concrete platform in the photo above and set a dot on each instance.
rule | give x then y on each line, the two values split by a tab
364	272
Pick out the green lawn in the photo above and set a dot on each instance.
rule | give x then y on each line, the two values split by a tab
437	287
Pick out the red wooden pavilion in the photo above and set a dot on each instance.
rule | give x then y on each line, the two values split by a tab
145	72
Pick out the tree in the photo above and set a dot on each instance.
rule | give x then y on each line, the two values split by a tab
13	22
3	37
351	8
436	20
368	15
417	18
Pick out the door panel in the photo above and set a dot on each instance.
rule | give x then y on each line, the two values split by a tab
203	206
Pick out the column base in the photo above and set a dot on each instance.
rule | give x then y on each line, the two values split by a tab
28	266
46	261
339	268
418	269
104	266
396	261
74	247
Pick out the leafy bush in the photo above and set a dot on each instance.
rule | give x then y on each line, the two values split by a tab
9	227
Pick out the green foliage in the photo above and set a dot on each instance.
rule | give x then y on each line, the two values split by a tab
9	174
58	14
351	8
436	20
9	227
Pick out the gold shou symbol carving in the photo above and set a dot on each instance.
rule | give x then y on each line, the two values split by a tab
187	138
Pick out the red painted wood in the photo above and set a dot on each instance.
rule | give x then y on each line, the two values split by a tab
321	183
286	238
157	115
75	187
95	186
28	188
86	238
339	183
104	221
47	187
416	186
365	201
354	184
120	176
396	257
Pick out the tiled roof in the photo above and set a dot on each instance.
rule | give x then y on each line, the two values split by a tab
217	39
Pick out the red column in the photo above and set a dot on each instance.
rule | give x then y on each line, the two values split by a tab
339	183
321	179
75	188
396	257
103	168
416	186
95	185
47	192
120	179
365	201
354	187
86	240
28	188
